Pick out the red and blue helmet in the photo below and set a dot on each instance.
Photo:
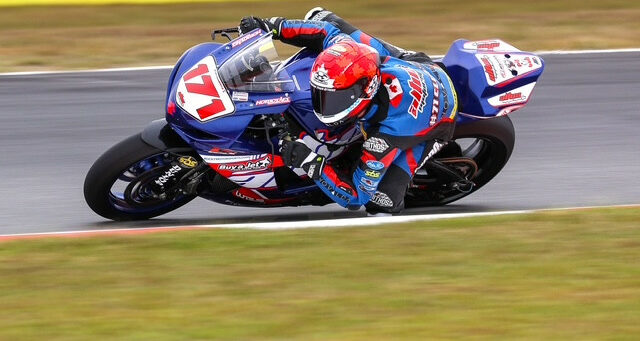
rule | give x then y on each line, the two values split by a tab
344	79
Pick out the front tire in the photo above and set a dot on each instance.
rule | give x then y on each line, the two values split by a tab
119	184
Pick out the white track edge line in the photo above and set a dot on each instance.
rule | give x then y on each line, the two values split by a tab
345	222
163	67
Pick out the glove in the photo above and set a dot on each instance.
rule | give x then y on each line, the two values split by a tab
296	154
272	25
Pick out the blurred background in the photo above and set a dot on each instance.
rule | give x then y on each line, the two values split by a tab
76	37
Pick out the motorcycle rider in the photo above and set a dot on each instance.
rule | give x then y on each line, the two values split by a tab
404	103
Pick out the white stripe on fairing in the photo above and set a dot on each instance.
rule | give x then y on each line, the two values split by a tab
162	67
347	222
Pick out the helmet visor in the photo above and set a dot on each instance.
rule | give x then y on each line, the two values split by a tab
328	104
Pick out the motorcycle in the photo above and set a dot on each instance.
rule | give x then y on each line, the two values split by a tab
229	104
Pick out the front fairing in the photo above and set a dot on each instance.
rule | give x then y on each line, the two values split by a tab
214	93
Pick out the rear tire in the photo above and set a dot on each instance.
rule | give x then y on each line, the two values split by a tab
132	162
494	138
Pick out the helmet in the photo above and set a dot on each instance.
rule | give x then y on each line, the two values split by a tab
344	79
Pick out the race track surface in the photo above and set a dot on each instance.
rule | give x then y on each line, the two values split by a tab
577	144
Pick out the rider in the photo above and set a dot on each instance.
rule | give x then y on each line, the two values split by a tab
404	122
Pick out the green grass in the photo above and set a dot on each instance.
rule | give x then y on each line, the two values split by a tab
72	37
548	276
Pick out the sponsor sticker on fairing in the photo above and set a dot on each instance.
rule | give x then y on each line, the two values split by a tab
515	96
245	37
274	101
375	145
240	96
246	166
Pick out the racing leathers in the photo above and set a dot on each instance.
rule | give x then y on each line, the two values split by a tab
411	118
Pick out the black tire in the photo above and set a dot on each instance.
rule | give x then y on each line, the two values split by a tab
112	166
496	138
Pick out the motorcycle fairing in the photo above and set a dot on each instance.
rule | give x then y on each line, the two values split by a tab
492	78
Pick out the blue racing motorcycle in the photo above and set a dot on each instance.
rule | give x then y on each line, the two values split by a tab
229	104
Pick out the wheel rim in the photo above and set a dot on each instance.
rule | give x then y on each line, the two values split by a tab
482	150
132	192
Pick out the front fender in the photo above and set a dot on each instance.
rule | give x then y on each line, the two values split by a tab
159	134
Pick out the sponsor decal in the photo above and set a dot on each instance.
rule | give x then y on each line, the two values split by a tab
367	189
312	170
437	146
503	72
320	78
510	96
394	89
346	189
246	166
368	182
515	96
435	108
201	93
222	151
230	158
372	174
524	62
188	161
488	68
167	175
273	101
239	194
336	50
375	165
332	191
375	145
373	86
418	92
244	38
240	96
382	200
489	45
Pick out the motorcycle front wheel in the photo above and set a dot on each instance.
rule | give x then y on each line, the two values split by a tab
119	185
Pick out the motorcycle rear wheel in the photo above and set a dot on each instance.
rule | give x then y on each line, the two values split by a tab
119	184
489	143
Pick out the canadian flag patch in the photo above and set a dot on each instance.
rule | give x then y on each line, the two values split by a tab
201	93
393	88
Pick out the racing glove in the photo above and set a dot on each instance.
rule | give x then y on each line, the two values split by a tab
296	154
269	25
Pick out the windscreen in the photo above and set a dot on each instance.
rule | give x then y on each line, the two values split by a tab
256	69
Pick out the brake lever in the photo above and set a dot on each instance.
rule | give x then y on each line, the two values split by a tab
225	32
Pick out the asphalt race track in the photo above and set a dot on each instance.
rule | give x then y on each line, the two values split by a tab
578	144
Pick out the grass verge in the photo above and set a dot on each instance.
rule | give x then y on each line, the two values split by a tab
72	37
545	276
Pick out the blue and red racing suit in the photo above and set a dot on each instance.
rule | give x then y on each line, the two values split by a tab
414	108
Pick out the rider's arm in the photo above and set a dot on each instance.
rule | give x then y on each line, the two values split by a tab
322	34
